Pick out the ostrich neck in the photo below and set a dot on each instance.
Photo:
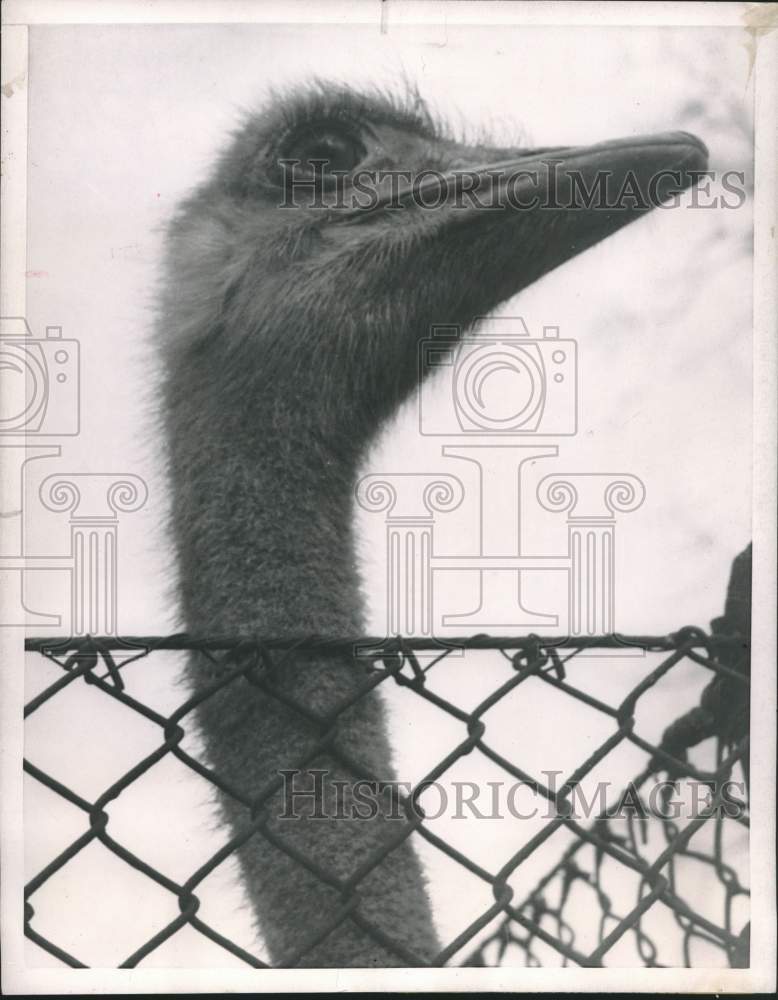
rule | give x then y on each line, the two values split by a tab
263	511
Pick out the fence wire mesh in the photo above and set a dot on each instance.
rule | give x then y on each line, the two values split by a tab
576	912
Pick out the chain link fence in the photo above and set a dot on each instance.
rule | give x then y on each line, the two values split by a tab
576	913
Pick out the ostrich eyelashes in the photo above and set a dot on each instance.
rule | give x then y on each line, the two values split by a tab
323	151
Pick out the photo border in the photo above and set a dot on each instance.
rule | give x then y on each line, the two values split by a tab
17	16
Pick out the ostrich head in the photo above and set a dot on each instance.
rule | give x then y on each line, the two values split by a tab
310	296
292	317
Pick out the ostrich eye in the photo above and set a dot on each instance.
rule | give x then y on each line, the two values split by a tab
324	151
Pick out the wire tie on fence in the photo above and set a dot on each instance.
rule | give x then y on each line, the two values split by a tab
557	666
412	660
529	657
75	660
83	659
395	659
391	657
112	669
692	635
87	656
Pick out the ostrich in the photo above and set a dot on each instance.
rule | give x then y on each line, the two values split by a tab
290	320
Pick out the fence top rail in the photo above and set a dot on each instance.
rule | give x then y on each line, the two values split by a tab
690	638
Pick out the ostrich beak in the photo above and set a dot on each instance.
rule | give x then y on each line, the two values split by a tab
552	204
